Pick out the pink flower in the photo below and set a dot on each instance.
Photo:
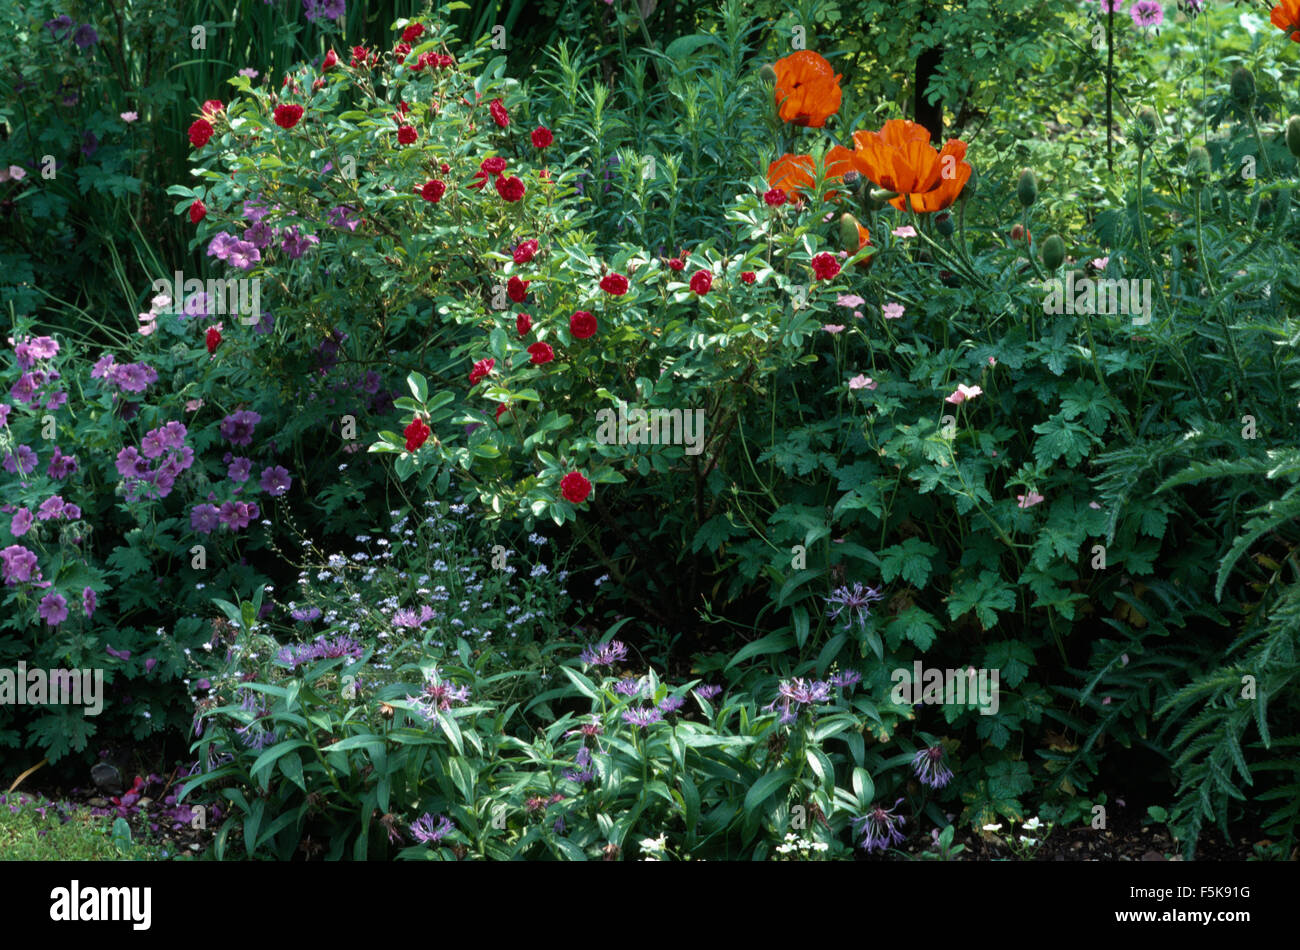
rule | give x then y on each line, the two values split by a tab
833	327
1028	501
963	393
1100	262
906	231
992	361
1094	506
193	405
849	301
862	382
892	311
129	116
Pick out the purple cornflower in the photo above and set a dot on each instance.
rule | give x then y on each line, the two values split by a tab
857	601
204	518
629	686
708	691
929	767
239	469
795	693
880	828
275	480
340	646
53	609
606	655
21	523
670	704
61	466
1147	13
582	773
438	694
642	717
846	679
428	830
237	428
305	614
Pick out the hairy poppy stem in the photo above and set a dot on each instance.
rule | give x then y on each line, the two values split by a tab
1110	84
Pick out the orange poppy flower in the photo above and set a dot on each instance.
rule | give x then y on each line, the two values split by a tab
794	174
807	89
864	238
1286	17
900	158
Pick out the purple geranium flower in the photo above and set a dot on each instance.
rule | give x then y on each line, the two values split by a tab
275	480
237	428
17	564
242	254
54	608
1147	13
204	518
294	244
20	461
85	36
239	469
21	523
88	602
61	466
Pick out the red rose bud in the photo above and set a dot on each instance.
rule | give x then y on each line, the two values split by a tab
499	114
614	284
749	277
582	325
200	132
416	433
286	117
213	339
198	211
523	323
575	487
331	60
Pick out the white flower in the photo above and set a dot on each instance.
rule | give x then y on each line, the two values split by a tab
1033	824
784	848
1029	841
992	827
654	844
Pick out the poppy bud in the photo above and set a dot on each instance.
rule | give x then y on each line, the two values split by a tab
849	233
943	224
884	194
1053	252
1293	135
1242	87
1027	187
1198	165
767	74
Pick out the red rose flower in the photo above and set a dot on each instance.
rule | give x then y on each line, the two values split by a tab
614	284
444	168
499	114
494	165
402	50
575	487
582	325
358	56
200	132
511	189
749	277
286	117
523	323
412	32
524	251
415	433
213	339
480	370
446	61
480	179
331	60
517	289
676	263
433	190
540	353
701	281
775	197
212	107
198	211
825	266
317	85
406	134
542	137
